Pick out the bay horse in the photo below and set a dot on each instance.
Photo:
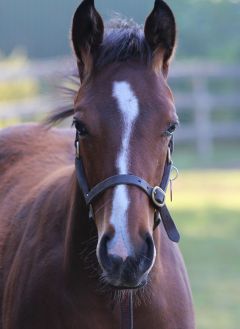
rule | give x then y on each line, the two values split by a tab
59	269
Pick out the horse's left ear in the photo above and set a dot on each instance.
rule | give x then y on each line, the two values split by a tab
87	35
160	33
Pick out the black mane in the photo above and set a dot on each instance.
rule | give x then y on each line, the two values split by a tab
123	40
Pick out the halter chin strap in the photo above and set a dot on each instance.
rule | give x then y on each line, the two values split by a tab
156	194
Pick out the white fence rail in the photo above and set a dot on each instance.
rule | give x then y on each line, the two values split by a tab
197	100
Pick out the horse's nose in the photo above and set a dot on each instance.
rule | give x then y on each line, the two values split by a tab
130	271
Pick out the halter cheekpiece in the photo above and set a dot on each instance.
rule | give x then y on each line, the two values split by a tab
156	194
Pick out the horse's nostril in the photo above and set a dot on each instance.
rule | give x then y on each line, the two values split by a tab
110	258
150	246
147	253
103	253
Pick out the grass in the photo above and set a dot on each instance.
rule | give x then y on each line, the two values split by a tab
206	208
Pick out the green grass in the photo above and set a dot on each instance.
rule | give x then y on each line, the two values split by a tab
206	208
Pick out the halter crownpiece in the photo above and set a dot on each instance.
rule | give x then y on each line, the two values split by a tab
156	194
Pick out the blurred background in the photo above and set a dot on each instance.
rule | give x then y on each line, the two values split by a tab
35	54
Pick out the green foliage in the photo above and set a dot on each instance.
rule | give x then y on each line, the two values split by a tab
18	88
207	29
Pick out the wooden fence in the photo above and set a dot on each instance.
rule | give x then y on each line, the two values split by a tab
207	94
213	91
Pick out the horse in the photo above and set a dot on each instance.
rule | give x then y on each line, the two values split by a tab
81	226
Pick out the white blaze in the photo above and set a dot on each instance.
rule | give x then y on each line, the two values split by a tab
129	109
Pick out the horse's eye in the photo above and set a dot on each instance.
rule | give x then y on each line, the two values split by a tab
80	127
171	129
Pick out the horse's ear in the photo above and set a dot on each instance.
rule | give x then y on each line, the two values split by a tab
87	35
160	33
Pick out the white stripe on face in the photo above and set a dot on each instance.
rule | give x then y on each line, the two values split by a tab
129	108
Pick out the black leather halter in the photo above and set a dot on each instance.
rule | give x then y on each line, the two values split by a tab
156	194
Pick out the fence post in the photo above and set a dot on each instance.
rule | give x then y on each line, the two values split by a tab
202	120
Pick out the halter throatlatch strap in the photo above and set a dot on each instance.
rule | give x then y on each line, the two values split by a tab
156	193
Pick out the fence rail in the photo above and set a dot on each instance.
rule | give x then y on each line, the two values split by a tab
197	100
204	102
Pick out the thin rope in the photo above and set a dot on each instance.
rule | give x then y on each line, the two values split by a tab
127	311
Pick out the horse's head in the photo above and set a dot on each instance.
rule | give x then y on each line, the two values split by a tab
125	115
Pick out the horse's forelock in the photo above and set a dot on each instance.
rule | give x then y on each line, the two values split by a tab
124	39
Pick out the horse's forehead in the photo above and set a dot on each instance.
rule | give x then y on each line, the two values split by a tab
147	86
121	85
143	80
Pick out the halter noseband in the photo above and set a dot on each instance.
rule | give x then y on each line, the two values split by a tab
156	194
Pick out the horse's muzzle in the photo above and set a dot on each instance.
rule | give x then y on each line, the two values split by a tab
130	273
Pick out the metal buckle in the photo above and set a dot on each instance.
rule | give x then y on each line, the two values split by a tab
158	204
77	149
91	214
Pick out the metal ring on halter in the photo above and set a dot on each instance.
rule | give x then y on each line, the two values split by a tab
157	203
174	170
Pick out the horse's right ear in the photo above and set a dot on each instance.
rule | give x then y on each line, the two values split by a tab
87	35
